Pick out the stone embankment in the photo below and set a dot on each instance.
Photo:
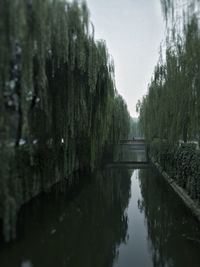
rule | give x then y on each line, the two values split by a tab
188	201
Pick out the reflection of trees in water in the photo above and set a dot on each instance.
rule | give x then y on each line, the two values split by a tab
103	224
169	225
88	229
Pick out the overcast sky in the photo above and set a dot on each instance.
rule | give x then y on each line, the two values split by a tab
133	30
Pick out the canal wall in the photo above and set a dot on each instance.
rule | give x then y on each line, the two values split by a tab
188	201
26	183
24	177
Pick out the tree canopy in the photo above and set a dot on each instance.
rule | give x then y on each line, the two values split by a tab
58	103
171	108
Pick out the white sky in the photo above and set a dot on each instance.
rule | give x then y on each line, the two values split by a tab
133	30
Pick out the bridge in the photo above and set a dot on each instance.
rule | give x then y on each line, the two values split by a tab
131	153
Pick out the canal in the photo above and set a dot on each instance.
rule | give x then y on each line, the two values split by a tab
120	217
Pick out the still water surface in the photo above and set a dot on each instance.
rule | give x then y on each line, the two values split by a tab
120	218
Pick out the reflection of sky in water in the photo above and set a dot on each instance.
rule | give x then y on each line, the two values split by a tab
26	263
135	252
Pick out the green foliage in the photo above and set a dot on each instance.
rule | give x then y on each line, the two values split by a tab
181	163
188	170
170	112
171	109
163	153
57	93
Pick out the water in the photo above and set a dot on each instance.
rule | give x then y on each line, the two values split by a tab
161	230
120	218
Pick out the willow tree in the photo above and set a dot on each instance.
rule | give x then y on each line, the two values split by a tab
170	111
57	98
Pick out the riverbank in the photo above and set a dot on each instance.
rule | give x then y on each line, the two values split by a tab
188	201
31	192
